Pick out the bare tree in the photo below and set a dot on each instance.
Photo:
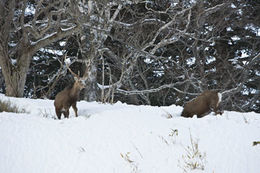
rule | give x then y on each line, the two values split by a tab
25	28
150	36
157	52
181	49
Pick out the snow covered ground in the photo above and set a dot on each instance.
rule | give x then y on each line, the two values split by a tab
123	138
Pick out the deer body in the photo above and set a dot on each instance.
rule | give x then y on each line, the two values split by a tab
202	105
67	98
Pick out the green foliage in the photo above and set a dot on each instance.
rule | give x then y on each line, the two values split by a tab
7	106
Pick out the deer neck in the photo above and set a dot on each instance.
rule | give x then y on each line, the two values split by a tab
75	91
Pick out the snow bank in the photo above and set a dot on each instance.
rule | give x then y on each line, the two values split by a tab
123	138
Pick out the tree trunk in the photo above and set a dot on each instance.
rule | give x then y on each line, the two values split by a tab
15	84
15	75
89	49
90	92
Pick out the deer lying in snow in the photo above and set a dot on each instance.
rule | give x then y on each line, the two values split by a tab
203	104
69	96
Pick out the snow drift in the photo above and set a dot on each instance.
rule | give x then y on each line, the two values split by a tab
123	138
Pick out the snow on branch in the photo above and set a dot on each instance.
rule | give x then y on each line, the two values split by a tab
214	9
173	38
244	74
50	38
142	21
153	90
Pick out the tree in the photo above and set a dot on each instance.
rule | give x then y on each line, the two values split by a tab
143	52
26	27
187	47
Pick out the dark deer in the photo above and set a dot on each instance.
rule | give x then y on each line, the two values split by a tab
203	104
69	96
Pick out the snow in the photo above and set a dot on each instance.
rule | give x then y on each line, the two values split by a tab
67	61
235	38
123	138
44	38
30	10
13	61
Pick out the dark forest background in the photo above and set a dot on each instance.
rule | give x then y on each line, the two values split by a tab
153	52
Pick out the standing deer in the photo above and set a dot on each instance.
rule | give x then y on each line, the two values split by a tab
69	96
203	104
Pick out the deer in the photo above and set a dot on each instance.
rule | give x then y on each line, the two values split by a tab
203	104
69	96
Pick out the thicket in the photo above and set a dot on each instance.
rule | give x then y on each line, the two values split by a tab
155	52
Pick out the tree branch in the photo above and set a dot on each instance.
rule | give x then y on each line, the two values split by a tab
155	89
244	73
54	37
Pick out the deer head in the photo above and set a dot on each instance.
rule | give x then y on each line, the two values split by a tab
79	81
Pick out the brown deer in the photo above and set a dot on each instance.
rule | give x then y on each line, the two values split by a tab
203	104
69	96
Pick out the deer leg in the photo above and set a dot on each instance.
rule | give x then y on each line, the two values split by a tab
66	113
216	110
185	114
58	113
75	109
213	107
